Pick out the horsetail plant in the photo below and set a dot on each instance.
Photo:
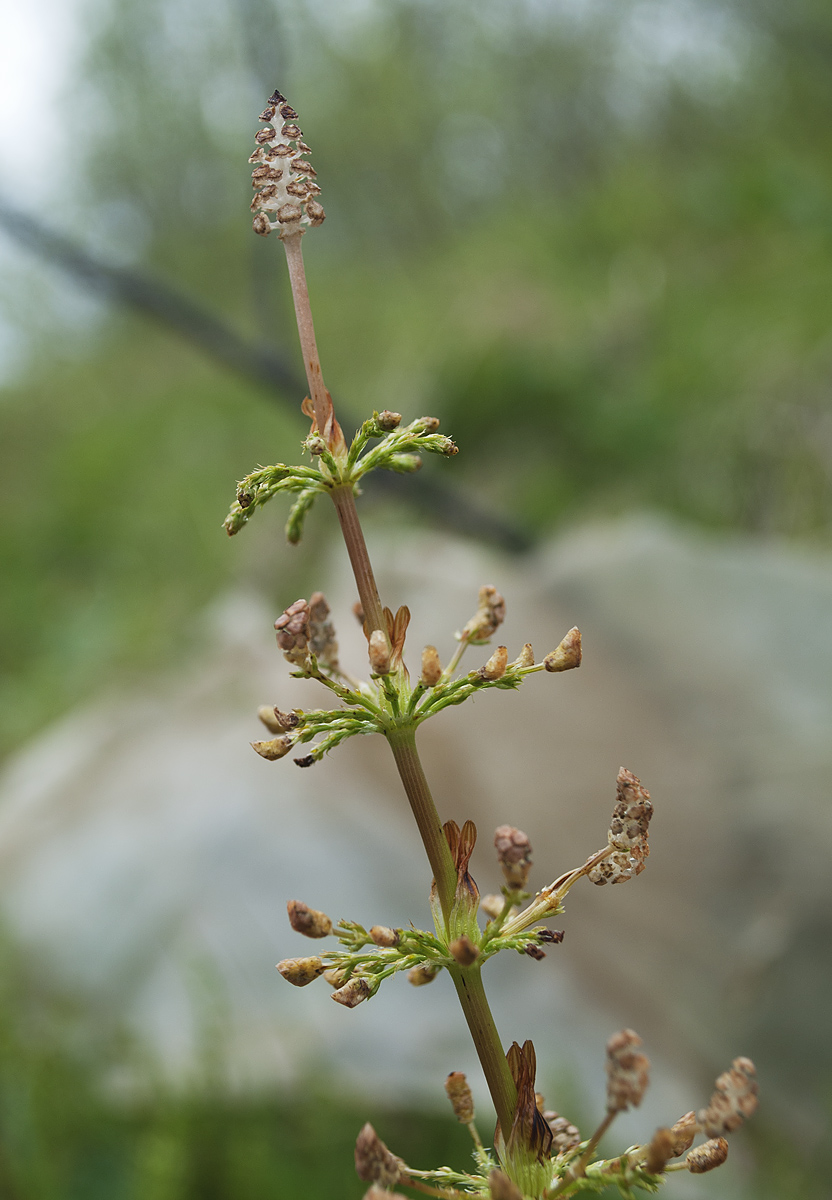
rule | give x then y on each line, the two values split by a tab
536	1152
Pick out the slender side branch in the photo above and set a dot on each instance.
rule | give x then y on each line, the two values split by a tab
443	1193
578	1170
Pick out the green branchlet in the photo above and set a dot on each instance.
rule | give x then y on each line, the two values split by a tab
389	701
399	449
379	953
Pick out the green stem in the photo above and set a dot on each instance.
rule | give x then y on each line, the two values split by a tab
578	1171
419	1186
472	998
403	744
467	981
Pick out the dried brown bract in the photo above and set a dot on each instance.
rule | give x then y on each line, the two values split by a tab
529	1129
397	631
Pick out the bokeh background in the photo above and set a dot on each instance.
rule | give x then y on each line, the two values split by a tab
595	238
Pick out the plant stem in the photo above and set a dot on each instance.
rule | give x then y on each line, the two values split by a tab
321	402
468	980
403	744
419	1186
344	501
472	998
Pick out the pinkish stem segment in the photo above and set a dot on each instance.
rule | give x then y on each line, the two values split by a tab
321	402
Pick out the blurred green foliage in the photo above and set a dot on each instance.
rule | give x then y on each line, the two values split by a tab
71	1130
85	1116
595	239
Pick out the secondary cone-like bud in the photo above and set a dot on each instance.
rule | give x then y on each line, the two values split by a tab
308	921
628	1071
514	854
322	641
627	833
286	200
707	1156
459	1094
567	655
734	1100
374	1163
292	628
565	1135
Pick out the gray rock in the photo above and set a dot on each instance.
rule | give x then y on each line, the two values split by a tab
145	849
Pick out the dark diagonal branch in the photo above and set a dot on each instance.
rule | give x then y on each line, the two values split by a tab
196	324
